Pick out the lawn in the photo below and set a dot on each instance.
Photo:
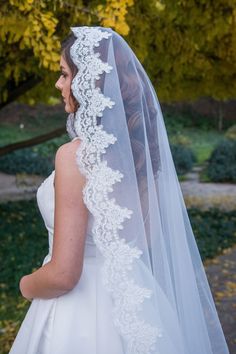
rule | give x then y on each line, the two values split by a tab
202	142
23	122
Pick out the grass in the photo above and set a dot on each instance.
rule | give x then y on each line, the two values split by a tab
10	134
202	142
196	132
28	126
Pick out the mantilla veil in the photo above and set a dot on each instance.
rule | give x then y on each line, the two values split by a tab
146	253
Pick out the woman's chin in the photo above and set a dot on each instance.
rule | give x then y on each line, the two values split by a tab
68	109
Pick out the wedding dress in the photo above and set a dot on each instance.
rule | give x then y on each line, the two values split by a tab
66	324
75	323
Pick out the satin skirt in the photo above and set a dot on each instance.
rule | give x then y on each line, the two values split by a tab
74	323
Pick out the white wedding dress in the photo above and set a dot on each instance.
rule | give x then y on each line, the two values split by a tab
72	323
80	322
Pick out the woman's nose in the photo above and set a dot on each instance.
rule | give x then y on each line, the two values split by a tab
57	85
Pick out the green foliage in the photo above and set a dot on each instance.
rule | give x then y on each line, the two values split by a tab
12	133
203	142
183	158
180	139
24	242
12	313
214	230
19	122
31	32
231	132
187	118
37	160
49	148
222	162
192	130
187	47
26	161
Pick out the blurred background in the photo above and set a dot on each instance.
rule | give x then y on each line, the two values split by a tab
188	49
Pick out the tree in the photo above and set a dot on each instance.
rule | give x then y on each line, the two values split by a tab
187	47
30	34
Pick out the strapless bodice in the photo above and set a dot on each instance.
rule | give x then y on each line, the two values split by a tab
46	203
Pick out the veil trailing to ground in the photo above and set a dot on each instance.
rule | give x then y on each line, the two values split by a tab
150	264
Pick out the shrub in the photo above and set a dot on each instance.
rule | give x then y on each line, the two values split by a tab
37	160
231	132
28	161
221	164
213	229
24	242
180	139
183	158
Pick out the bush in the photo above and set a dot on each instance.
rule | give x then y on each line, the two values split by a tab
213	229
37	160
180	139
28	161
24	242
177	118
221	164
231	132
183	158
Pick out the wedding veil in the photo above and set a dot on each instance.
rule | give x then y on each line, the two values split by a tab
151	266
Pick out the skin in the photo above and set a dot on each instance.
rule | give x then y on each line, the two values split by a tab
64	83
63	271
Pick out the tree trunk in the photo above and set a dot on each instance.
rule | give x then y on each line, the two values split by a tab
220	116
16	91
32	142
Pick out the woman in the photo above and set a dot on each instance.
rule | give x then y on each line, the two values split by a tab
123	274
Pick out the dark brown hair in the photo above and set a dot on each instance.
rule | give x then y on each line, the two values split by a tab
65	52
129	84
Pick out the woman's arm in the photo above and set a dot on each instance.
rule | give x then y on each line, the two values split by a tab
42	284
61	274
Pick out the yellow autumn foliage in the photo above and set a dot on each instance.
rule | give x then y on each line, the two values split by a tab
187	47
113	13
30	35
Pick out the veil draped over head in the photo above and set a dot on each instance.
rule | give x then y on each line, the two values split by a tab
147	256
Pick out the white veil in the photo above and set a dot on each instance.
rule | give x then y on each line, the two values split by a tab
152	270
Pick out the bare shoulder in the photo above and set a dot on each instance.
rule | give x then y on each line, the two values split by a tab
66	153
65	161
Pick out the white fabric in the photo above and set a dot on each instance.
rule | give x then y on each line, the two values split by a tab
143	289
49	325
79	322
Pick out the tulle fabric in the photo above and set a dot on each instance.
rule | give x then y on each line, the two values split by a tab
181	305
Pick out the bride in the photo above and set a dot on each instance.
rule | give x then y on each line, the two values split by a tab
123	274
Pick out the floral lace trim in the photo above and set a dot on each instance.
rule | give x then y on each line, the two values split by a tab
108	215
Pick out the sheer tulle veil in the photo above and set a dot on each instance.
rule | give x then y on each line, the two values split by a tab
146	251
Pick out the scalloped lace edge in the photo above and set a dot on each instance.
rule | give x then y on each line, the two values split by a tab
108	215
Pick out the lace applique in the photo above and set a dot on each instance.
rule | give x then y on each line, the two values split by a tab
108	215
